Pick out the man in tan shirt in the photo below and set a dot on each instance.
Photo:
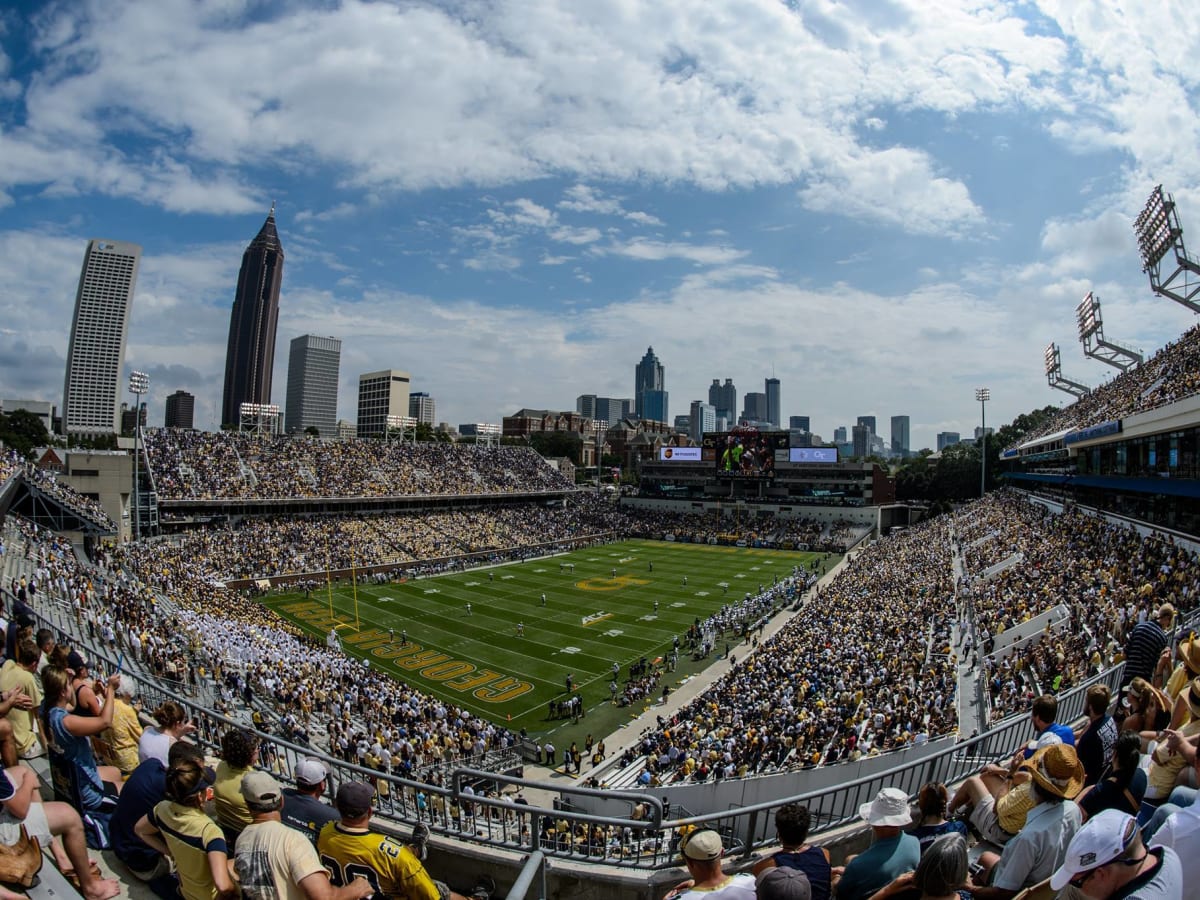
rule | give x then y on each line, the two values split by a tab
21	694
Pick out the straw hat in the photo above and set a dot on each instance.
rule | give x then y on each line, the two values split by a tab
1058	771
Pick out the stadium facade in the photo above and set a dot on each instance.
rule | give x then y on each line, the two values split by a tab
99	329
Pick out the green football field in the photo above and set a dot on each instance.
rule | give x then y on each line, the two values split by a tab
591	619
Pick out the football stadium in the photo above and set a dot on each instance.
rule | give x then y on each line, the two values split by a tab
407	664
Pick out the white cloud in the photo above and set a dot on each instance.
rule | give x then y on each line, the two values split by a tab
717	94
643	249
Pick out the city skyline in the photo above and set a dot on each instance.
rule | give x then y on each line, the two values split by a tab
601	181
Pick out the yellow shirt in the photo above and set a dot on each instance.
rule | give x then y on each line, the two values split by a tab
191	836
385	862
228	802
122	737
23	721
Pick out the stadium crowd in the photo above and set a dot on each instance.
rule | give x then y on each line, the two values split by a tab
11	462
1170	375
199	465
1106	576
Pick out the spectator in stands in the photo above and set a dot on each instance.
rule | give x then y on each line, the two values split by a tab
145	788
1095	741
350	845
1001	797
1107	859
42	821
239	754
173	724
702	852
891	854
70	736
932	809
1183	675
1146	643
303	808
84	701
1149	708
1044	713
13	699
1122	784
273	860
23	688
1038	848
940	875
792	821
123	737
179	827
1168	762
782	883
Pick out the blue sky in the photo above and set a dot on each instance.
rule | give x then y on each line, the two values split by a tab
885	204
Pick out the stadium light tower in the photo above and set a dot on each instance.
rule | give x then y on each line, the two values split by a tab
983	395
1054	375
139	383
1159	234
1091	335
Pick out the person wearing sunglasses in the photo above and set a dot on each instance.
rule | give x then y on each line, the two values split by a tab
1106	860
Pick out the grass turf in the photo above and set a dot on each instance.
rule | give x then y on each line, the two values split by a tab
478	661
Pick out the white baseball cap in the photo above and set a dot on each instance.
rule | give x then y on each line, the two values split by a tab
1103	838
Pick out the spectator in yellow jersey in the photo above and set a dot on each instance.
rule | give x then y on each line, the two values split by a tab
349	848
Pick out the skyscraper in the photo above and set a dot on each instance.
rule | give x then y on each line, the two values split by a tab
181	409
312	386
381	394
900	435
839	434
800	423
723	398
946	439
754	407
96	351
422	407
650	388
771	389
862	441
869	422
251	352
701	420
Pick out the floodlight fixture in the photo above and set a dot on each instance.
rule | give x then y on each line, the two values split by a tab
1091	335
1164	257
1055	377
983	395
259	418
139	383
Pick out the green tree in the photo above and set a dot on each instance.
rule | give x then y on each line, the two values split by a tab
23	431
557	443
312	431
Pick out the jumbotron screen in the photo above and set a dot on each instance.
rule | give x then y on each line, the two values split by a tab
746	454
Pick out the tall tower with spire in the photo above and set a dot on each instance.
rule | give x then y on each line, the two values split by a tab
250	356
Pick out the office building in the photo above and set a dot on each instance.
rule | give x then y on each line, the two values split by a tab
869	422
946	439
900	444
683	424
800	423
96	350
421	407
250	354
839	434
381	394
649	378
181	410
754	407
771	389
723	398
312	387
604	409
654	406
862	441
702	420
129	418
979	431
